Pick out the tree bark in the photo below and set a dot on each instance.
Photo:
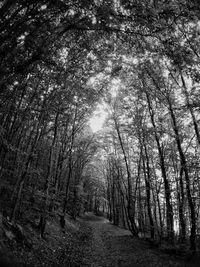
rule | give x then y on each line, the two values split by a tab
147	177
187	179
170	220
130	208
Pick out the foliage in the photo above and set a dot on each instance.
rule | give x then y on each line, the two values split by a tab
59	59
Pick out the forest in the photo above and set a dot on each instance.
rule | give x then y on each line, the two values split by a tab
64	64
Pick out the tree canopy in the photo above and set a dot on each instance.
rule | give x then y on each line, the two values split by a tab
58	61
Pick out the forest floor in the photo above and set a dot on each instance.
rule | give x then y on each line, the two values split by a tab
110	245
89	241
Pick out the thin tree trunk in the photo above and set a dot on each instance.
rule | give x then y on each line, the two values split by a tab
187	179
130	208
170	221
51	157
181	200
147	177
70	162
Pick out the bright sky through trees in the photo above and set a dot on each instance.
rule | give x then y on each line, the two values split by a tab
98	118
100	114
103	87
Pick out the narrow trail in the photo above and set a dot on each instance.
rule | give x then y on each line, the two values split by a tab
91	241
108	245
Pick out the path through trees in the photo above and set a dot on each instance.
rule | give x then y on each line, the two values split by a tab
139	60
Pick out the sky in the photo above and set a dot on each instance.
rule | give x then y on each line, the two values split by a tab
99	116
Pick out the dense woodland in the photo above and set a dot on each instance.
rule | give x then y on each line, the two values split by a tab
58	61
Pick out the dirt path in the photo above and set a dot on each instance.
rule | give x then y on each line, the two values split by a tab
109	245
89	241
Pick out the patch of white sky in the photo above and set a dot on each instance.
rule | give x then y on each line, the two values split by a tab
98	117
100	114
